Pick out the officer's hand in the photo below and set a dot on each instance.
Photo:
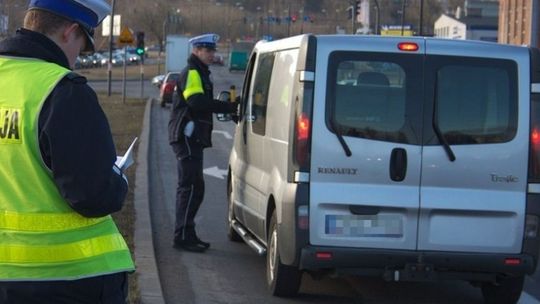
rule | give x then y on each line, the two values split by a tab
235	111
235	107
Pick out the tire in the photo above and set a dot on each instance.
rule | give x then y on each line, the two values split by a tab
282	280
507	291
231	233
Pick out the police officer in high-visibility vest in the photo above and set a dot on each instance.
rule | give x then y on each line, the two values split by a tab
190	131
58	242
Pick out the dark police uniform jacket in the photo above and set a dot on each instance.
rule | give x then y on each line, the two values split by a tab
197	108
75	140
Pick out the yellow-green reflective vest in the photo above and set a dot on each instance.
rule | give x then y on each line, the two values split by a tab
41	237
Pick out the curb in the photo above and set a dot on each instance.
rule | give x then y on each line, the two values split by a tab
147	272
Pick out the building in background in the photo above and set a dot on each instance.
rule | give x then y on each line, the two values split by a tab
519	22
478	20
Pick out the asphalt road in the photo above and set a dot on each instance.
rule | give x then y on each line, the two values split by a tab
232	272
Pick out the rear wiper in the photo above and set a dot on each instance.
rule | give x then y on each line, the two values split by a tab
440	136
340	139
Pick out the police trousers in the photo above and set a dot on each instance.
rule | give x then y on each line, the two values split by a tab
190	187
105	289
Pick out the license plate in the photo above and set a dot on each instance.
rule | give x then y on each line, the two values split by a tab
351	225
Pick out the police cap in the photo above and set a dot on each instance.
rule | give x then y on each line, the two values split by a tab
208	41
87	13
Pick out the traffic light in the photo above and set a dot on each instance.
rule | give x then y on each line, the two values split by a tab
357	8
140	44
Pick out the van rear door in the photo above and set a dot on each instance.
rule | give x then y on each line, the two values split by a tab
366	143
474	163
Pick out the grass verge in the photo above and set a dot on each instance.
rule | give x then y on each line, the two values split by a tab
126	120
117	73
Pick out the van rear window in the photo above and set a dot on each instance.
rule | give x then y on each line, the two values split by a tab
370	96
400	98
475	99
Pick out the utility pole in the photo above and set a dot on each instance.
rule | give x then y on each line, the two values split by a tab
377	16
353	15
403	4
109	63
421	23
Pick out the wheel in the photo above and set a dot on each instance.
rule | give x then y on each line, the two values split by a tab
507	291
231	233
282	280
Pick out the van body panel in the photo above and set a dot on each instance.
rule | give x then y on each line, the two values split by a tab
477	202
265	177
339	183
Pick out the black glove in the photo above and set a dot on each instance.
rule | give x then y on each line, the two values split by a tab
235	113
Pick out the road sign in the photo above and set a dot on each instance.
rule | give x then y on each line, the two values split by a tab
106	26
126	36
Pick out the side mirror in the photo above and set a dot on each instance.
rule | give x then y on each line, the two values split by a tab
224	96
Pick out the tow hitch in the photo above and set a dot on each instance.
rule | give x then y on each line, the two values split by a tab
411	272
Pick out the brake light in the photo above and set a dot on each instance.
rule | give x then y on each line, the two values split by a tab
535	137
534	150
323	255
408	46
303	129
512	261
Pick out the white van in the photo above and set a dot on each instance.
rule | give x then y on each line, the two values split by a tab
407	158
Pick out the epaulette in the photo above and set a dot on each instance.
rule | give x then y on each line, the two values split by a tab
76	78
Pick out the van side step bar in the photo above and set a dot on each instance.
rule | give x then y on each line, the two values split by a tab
248	238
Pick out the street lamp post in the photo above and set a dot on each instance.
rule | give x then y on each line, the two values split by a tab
377	16
109	63
421	22
403	4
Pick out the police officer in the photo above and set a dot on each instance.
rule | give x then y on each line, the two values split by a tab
190	131
58	242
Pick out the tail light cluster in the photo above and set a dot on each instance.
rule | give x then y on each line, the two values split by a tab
303	131
534	163
168	87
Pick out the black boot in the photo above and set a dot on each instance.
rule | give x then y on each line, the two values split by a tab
202	243
190	245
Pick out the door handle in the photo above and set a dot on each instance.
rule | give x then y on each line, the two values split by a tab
398	164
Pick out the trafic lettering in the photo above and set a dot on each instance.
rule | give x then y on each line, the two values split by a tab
504	179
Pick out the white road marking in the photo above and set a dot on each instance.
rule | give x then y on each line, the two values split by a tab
215	172
224	133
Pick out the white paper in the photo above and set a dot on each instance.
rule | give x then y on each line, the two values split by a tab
123	162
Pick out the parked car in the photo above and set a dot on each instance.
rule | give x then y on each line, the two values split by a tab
157	80
404	158
167	87
218	59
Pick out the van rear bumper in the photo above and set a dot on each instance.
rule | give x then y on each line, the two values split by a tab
379	262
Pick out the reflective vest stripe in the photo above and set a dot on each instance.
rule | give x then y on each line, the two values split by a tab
49	222
63	252
193	84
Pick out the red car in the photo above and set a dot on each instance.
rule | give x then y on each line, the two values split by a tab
167	87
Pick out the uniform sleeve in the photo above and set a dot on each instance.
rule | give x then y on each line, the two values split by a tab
76	144
197	100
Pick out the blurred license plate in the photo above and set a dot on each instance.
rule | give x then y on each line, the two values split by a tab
351	225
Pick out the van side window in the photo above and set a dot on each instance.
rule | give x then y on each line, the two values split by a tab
259	92
370	96
476	103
